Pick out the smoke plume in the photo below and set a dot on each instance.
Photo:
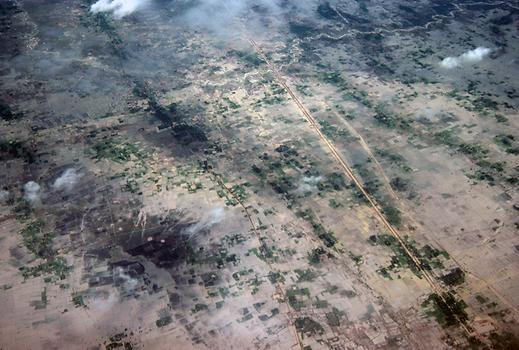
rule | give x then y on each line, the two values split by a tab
119	8
32	193
67	180
308	183
212	218
4	196
469	57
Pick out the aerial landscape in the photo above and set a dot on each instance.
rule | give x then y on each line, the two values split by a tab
269	174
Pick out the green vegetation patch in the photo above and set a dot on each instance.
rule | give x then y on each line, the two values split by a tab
56	266
40	244
316	255
390	119
455	277
104	23
77	300
334	132
240	192
42	303
320	303
392	214
118	151
199	307
276	277
333	318
7	114
333	182
508	143
164	321
350	92
309	326
356	258
36	241
15	149
273	313
296	297
394	158
328	237
251	58
231	103
428	256
504	341
486	170
446	309
307	275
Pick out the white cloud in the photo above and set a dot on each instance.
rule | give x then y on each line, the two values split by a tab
32	192
469	57
67	180
119	8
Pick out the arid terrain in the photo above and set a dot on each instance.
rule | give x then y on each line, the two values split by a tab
181	174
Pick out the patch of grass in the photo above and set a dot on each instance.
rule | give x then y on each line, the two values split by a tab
164	321
56	266
273	313
391	120
333	318
481	299
117	151
334	204
487	170
36	241
303	89
428	256
240	191
7	114
44	299
15	149
455	277
328	237
276	277
199	307
246	318
334	132
309	326
231	103
482	103
356	258
334	78
104	23
224	292
392	215
77	300
315	256
307	275
394	158
131	186
447	309
333	182
446	137
504	341
320	304
294	295
40	244
508	143
400	184
251	59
